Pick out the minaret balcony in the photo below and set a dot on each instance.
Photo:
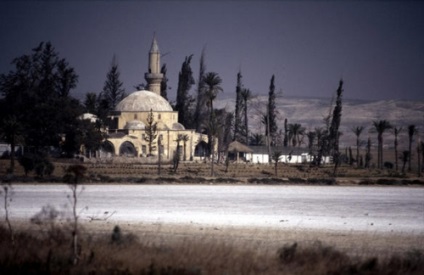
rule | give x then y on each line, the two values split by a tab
153	76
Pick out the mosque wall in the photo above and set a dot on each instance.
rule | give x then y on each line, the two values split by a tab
166	118
122	146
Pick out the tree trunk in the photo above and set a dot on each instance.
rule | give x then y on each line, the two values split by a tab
357	152
246	122
276	168
410	154
419	159
380	152
212	156
396	153
12	155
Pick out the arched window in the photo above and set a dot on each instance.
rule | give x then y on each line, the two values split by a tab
127	149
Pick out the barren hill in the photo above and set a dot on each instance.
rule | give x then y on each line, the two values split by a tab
310	113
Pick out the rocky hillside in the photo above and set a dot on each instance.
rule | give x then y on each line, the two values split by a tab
310	113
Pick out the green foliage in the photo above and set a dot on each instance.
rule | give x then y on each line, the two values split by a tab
37	162
27	162
113	92
164	83
36	92
75	174
84	133
335	120
200	111
43	167
184	101
246	96
11	131
238	110
272	113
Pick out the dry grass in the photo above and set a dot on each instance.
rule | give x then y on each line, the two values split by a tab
162	249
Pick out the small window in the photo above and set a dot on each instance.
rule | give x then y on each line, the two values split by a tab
159	116
135	116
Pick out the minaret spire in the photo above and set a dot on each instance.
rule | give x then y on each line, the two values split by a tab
153	76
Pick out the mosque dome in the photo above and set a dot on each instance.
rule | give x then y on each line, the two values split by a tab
144	101
135	125
162	126
177	126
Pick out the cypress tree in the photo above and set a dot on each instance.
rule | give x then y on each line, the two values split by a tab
113	92
199	113
185	81
164	83
272	112
238	109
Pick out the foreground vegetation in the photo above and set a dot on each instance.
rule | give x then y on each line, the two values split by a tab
47	249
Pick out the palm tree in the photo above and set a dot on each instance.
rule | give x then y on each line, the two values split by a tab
357	131
295	131
212	86
246	95
396	132
412	130
380	127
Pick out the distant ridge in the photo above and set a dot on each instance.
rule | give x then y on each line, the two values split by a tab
310	113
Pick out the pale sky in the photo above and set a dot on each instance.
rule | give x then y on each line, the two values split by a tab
377	47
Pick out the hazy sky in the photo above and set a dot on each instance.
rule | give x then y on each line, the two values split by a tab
377	47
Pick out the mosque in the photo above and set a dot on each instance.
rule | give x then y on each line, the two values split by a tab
128	130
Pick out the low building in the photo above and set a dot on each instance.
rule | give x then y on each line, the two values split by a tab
290	155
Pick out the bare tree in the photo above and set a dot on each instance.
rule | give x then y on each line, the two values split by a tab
74	176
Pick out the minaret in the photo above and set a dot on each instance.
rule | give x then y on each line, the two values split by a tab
153	76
